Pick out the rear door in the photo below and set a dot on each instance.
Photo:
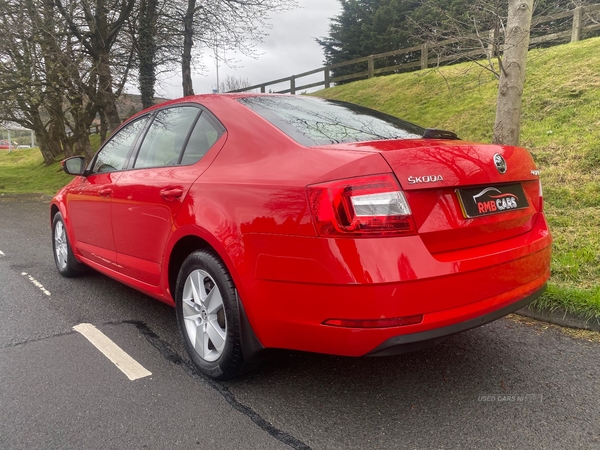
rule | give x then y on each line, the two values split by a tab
148	195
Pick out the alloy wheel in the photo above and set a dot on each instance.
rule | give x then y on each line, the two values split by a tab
204	315
61	248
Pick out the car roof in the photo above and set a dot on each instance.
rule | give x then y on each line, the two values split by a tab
203	99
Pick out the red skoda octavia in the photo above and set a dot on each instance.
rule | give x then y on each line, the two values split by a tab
289	222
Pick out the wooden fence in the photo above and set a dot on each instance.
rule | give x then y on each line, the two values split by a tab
420	56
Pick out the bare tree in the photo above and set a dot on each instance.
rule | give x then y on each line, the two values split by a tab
232	83
98	26
499	31
147	50
31	75
460	34
188	43
512	72
65	62
47	81
68	81
225	25
21	86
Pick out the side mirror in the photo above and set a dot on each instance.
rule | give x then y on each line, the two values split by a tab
74	165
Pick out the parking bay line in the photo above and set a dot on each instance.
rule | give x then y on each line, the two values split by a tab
36	283
112	351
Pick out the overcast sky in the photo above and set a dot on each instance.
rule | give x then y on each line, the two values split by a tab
290	48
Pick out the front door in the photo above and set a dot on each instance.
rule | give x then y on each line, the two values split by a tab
89	203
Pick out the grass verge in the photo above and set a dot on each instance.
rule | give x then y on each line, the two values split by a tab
23	171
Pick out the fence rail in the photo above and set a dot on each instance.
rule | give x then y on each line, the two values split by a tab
421	54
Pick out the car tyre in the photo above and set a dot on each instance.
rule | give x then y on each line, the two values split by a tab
65	261
208	316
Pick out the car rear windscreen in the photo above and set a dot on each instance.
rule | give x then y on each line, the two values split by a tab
314	121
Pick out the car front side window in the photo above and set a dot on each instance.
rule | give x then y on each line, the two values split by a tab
114	153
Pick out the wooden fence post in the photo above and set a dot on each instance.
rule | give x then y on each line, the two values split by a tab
424	56
293	84
371	69
327	78
576	34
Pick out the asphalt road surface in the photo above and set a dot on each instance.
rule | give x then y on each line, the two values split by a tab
509	384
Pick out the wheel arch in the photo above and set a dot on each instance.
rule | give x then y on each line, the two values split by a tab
252	348
59	207
185	246
53	210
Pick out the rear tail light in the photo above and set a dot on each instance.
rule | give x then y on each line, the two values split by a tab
365	206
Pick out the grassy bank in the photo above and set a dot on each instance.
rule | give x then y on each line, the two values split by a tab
561	127
23	171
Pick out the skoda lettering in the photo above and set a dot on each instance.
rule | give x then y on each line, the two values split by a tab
425	179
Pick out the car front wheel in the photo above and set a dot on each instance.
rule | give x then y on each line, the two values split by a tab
208	316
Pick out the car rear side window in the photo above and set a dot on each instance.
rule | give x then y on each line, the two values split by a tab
314	121
114	152
166	136
205	134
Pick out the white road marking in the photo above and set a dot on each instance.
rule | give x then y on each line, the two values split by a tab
1	254
112	351
36	283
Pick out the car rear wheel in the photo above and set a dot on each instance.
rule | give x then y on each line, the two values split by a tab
65	261
208	316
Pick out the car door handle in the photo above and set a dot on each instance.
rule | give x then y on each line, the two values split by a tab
171	194
106	192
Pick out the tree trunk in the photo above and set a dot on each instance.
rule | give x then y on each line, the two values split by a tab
48	147
68	147
82	119
103	126
57	128
512	72
147	33
46	152
188	43
82	144
55	77
105	91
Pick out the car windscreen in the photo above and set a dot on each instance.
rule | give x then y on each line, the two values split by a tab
314	121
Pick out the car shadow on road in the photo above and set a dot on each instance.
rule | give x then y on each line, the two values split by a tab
506	370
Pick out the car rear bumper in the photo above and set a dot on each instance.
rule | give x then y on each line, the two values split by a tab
292	297
417	341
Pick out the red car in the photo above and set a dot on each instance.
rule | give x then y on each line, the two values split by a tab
4	144
290	222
